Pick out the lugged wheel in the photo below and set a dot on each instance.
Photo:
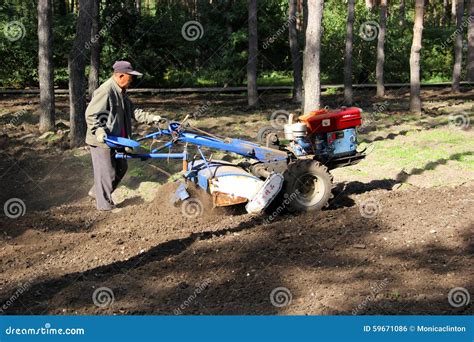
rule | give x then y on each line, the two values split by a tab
264	132
308	185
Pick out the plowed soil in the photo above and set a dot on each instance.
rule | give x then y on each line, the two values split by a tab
380	248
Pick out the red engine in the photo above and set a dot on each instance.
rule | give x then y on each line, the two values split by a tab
323	120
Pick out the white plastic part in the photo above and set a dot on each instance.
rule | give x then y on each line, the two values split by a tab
291	118
288	130
299	130
236	185
266	194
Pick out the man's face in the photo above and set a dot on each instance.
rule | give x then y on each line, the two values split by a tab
123	80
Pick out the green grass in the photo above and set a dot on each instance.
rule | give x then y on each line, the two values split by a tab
426	150
453	137
275	81
437	79
136	171
203	82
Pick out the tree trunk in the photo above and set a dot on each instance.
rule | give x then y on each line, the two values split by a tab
415	101
470	43
445	20
381	49
402	13
45	65
77	77
138	6
312	77
305	19
348	92
95	47
228	22
458	46
299	17
252	92
147	7
295	53
62	6
369	4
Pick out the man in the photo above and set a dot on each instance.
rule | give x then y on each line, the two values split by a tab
110	112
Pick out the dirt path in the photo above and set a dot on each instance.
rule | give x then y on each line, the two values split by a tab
329	261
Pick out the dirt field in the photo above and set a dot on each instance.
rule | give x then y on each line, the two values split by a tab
396	239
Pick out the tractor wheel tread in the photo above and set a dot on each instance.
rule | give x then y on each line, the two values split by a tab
299	168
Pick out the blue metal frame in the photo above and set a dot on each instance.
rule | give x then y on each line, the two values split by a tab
238	146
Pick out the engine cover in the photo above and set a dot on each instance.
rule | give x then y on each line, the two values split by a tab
338	143
325	121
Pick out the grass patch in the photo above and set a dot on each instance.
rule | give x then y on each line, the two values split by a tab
426	150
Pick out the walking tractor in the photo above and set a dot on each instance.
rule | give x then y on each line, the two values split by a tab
294	167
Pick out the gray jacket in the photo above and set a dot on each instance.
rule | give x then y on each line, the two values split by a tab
111	109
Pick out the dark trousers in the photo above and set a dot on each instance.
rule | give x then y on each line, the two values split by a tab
108	172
